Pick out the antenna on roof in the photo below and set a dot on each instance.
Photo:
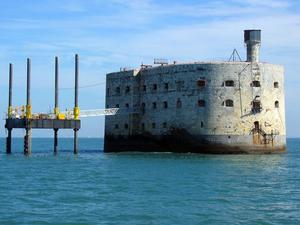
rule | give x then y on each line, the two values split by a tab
235	56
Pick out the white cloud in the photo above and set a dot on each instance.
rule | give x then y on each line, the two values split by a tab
265	3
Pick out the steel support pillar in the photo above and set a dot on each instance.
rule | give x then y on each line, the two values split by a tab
75	141
27	142
9	112
55	141
8	141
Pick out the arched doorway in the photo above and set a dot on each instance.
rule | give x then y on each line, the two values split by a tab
256	134
256	125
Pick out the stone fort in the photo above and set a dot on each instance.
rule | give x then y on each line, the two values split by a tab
203	107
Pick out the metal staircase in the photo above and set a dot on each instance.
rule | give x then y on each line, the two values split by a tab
266	138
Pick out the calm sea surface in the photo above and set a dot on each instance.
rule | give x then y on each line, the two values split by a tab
137	188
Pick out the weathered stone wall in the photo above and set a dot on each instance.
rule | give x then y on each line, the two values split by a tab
162	99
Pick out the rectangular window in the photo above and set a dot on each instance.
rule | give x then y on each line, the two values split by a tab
201	83
153	125
201	69
256	106
118	90
154	87
255	83
164	125
127	90
201	103
144	88
154	105
165	105
229	83
166	86
178	103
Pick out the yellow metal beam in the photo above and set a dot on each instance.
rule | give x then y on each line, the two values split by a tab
28	112
9	111
76	113
56	111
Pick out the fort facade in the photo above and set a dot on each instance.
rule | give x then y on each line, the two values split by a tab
204	107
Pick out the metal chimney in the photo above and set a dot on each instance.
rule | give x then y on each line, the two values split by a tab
252	39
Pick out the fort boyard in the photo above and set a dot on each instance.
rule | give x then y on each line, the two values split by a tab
202	107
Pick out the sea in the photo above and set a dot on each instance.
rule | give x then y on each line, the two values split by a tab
146	188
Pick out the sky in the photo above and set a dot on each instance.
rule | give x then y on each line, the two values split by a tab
110	34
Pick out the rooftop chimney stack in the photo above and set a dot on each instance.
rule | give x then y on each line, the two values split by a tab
252	39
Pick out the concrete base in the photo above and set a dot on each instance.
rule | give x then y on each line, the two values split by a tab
213	144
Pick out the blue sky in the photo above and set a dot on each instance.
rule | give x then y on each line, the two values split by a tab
123	33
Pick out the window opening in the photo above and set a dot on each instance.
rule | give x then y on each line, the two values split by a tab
165	104
144	88
166	86
154	105
154	88
229	83
118	90
127	90
201	103
228	103
178	104
255	83
201	83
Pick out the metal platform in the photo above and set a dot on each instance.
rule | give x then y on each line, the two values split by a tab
42	124
29	121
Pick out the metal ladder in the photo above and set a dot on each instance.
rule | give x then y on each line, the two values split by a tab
256	76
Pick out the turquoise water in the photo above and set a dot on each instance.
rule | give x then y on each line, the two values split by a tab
137	188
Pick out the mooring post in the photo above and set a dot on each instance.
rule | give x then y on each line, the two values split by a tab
56	108
9	112
27	138
76	108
